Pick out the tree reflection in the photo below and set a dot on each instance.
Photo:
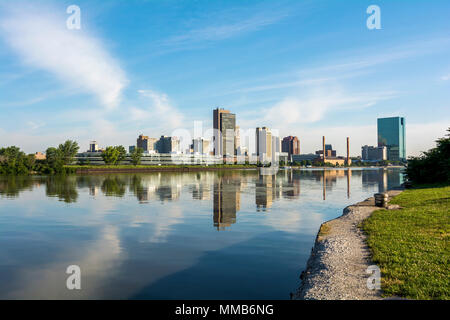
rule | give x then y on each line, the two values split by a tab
114	186
63	187
11	186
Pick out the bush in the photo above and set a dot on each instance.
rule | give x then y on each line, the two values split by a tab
433	166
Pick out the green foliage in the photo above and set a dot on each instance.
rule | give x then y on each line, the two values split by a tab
411	245
122	153
110	155
68	151
57	158
14	161
136	156
114	155
433	166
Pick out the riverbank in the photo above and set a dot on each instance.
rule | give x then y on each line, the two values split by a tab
144	168
336	269
411	245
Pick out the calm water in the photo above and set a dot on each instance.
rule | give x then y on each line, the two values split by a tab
206	235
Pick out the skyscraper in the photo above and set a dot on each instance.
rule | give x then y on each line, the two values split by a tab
145	143
224	124
167	144
264	144
291	145
391	133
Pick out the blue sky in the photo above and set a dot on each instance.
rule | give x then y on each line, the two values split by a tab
306	68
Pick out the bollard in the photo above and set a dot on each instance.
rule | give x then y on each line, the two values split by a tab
381	199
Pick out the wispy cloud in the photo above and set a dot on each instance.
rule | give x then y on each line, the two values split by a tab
158	110
314	106
218	32
79	59
446	77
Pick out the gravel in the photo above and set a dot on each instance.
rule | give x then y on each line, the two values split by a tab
337	267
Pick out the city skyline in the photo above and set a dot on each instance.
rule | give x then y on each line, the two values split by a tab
256	59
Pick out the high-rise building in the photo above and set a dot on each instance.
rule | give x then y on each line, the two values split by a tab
391	133
93	146
145	143
237	140
167	144
291	145
264	144
200	145
374	153
224	124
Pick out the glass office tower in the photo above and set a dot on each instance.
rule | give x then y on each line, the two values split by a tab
391	133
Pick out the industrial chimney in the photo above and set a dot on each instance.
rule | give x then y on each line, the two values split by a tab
348	151
323	146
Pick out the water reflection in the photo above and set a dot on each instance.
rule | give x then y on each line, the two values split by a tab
225	186
227	200
155	235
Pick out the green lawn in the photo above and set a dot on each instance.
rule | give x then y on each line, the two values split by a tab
411	245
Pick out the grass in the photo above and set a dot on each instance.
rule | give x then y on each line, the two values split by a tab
323	231
411	245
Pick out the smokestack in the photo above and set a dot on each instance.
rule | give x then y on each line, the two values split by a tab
348	151
323	146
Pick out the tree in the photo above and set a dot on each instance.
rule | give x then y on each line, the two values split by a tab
122	154
68	151
433	166
136	156
54	159
14	161
110	155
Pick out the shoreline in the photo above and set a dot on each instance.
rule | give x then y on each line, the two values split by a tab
143	169
336	268
158	169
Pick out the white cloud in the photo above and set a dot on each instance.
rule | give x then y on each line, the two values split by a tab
225	31
43	41
446	77
315	105
159	111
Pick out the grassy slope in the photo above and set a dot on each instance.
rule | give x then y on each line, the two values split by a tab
411	245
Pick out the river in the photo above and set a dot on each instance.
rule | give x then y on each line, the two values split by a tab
200	235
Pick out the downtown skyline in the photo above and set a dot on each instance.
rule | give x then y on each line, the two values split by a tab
305	68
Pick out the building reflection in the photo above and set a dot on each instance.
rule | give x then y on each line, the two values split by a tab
265	191
290	184
227	201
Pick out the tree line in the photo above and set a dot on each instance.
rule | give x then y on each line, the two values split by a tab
433	166
13	161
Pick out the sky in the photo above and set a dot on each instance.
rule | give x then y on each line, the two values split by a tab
304	68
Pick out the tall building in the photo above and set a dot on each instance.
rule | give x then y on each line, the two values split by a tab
371	153
145	143
93	146
237	140
291	145
200	145
391	133
264	144
224	124
167	144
